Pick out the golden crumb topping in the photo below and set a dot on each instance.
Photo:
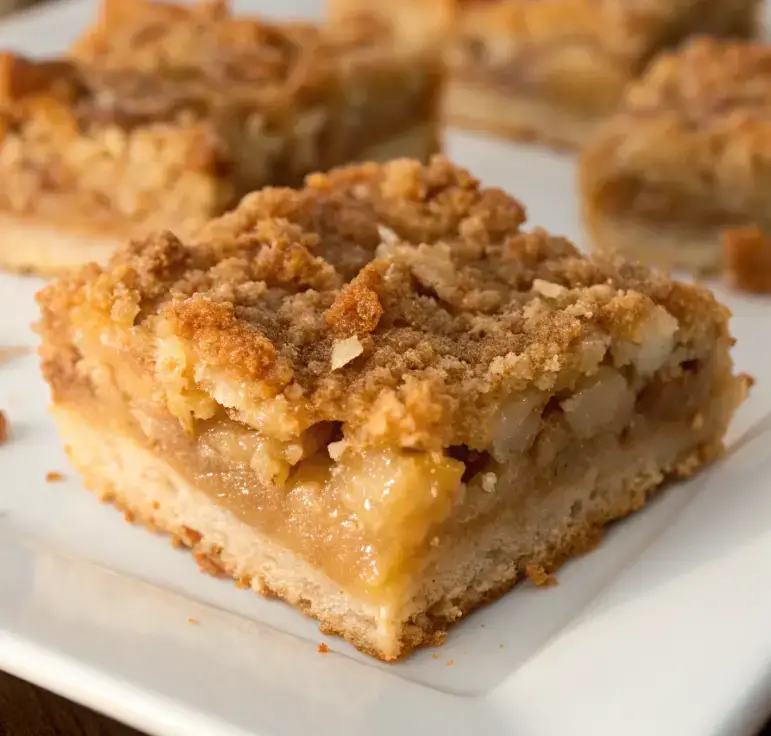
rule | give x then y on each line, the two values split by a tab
630	30
747	259
707	84
204	40
21	78
404	301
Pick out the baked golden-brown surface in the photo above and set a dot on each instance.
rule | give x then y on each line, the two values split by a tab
378	397
685	158
552	69
166	115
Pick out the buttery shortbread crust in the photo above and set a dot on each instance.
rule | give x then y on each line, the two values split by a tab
378	397
686	158
150	494
165	116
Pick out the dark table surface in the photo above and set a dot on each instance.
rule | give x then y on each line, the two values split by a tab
26	710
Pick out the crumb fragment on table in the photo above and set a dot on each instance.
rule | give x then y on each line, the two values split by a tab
207	565
5	432
192	620
747	260
322	648
53	476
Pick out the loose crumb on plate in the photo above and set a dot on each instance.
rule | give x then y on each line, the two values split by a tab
450	662
322	648
4	428
747	260
192	620
207	565
53	476
538	576
436	656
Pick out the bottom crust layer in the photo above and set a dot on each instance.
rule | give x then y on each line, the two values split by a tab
31	247
675	246
522	118
474	570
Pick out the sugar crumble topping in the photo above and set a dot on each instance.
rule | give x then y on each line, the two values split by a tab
708	83
294	309
206	41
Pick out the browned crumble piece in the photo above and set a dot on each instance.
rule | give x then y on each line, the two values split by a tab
685	159
551	70
192	620
54	477
5	431
486	401
538	575
747	260
322	648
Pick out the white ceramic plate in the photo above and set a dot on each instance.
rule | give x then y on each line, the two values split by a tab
664	629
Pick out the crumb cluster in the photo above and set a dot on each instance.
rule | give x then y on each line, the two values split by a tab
747	259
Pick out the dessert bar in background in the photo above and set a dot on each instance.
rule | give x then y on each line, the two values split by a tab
685	159
164	116
550	70
379	398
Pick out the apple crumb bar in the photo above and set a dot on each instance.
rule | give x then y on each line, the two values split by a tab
381	399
